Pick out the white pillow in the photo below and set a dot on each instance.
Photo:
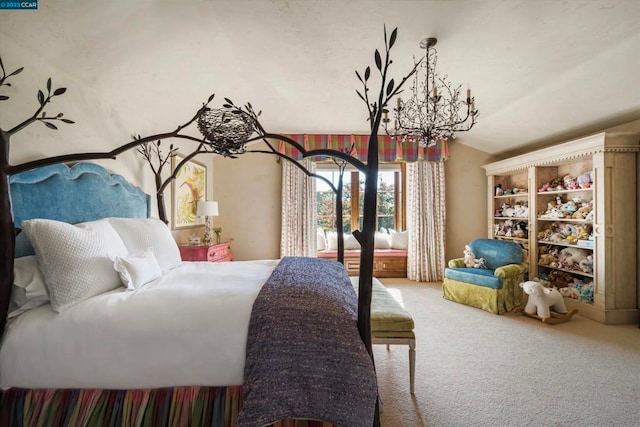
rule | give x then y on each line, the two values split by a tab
399	239
75	259
29	290
350	242
137	269
382	241
321	241
332	240
141	233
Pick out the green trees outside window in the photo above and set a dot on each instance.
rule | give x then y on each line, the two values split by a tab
389	199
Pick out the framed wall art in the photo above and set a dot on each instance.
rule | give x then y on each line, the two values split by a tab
189	187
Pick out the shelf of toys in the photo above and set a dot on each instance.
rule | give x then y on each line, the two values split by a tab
510	208
558	202
564	234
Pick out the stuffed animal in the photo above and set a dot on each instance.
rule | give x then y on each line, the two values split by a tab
542	300
578	200
553	185
549	257
546	232
545	187
470	260
559	279
586	265
508	228
555	213
570	183
469	257
507	210
542	281
568	208
581	232
590	216
520	229
585	180
579	290
570	256
586	292
566	229
556	237
570	292
521	210
582	212
546	259
480	263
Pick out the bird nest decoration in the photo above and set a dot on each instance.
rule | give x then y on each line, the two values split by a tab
226	130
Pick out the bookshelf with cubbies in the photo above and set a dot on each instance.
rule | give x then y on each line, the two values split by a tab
509	207
582	201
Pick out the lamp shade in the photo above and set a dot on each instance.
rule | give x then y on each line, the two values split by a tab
207	209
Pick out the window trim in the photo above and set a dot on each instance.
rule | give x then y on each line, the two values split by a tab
400	192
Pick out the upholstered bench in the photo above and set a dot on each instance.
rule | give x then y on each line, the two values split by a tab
391	323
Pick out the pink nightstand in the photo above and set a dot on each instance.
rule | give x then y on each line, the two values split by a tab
219	252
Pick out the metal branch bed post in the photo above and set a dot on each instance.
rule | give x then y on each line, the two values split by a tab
226	144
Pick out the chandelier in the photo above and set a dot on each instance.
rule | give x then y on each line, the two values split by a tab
435	110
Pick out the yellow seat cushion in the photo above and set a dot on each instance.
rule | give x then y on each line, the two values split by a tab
387	315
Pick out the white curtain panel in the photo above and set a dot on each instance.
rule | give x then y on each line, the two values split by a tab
426	217
299	216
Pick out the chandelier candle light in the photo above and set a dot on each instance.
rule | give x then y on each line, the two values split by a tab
435	110
207	210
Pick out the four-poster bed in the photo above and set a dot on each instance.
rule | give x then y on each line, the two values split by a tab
335	402
187	327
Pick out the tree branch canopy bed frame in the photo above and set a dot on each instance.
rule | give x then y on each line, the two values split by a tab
174	349
255	343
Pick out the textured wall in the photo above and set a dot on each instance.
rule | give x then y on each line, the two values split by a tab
466	197
247	190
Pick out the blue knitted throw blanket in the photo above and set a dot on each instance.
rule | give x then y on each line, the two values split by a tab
305	358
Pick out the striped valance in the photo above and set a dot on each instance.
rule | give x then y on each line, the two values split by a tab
389	149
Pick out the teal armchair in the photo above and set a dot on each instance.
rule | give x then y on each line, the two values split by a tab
494	289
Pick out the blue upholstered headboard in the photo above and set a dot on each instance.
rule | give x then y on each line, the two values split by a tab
82	192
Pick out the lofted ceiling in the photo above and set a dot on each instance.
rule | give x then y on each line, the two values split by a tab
540	71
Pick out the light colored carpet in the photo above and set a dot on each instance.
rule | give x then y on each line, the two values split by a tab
475	368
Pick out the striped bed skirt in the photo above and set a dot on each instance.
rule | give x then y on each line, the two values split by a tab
171	407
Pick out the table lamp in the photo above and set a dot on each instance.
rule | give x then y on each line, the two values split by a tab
207	210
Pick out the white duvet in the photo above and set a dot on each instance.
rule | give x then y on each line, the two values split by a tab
188	327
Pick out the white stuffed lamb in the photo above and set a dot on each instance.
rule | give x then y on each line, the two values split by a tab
542	300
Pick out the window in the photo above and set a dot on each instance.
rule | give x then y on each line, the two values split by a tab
326	200
390	201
